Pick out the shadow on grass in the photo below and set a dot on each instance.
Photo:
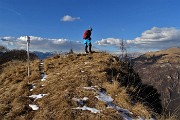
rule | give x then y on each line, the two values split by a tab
138	91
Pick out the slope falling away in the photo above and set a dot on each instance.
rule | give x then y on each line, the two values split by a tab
162	70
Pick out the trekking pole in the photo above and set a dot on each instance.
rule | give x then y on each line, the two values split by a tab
28	43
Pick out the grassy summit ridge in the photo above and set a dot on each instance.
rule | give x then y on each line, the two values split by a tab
68	77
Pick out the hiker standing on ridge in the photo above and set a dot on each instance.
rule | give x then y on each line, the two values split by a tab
87	40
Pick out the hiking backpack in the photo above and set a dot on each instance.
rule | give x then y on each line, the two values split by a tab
86	34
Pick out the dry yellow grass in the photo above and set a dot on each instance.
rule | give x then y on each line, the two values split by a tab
113	89
67	75
122	99
167	117
169	55
14	90
66	78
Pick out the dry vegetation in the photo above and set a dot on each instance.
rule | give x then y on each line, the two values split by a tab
162	70
14	90
67	76
171	55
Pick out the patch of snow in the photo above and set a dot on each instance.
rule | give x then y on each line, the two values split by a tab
76	99
80	100
125	117
168	76
93	110
119	109
126	114
85	98
37	96
33	86
104	97
139	118
163	66
168	64
109	101
90	88
44	78
34	107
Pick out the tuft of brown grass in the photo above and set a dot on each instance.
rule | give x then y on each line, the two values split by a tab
167	117
140	110
112	88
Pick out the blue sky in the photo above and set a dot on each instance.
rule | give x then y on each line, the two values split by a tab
58	25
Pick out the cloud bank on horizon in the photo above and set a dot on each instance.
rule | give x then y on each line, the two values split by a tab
42	44
153	39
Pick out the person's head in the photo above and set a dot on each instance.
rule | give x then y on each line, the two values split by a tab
90	28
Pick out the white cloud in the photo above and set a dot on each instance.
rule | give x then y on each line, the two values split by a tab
7	38
68	18
153	39
158	38
60	41
44	44
7	41
109	41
